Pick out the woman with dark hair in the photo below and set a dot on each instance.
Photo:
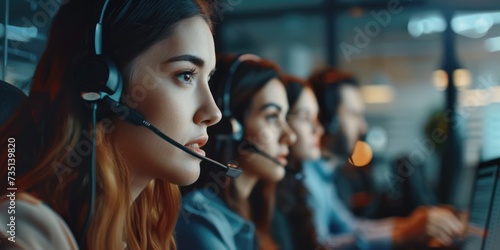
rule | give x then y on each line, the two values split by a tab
122	193
293	219
226	213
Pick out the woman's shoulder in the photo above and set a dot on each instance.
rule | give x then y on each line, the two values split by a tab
206	222
206	206
202	200
27	223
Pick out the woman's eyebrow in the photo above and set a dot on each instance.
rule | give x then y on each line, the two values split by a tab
269	105
190	58
301	110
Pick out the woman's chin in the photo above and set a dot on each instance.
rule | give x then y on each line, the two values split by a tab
189	181
277	174
187	175
315	155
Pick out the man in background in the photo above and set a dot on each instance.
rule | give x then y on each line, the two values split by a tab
342	114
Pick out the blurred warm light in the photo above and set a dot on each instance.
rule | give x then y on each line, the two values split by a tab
356	12
492	44
377	93
474	98
440	79
479	97
496	94
362	154
461	77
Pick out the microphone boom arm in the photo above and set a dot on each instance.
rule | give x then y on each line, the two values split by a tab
134	117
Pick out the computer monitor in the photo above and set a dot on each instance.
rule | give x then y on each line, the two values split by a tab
492	240
484	217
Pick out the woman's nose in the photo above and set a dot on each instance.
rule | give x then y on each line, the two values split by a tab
289	137
208	112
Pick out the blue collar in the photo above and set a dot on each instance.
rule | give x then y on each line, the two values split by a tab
321	167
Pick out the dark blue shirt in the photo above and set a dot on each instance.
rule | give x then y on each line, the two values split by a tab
205	222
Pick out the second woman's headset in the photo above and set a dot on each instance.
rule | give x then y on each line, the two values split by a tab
229	127
229	130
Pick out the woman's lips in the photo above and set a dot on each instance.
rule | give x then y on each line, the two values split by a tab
196	148
282	157
197	143
282	160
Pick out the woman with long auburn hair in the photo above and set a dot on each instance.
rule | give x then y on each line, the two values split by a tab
224	213
164	52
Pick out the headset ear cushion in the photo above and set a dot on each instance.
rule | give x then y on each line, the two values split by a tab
237	129
226	128
224	138
99	75
92	75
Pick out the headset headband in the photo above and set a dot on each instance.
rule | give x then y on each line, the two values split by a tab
226	87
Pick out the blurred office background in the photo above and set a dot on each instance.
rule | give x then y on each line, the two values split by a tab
426	67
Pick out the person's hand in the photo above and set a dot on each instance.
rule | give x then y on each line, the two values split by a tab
438	223
443	225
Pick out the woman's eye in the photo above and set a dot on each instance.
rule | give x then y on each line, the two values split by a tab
186	77
272	117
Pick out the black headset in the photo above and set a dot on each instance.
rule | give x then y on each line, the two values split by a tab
101	85
334	125
229	127
99	80
229	130
97	75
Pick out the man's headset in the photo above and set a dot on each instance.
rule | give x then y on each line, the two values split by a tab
101	85
229	130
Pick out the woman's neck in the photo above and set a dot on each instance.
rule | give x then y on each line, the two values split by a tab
137	185
295	163
333	159
244	185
